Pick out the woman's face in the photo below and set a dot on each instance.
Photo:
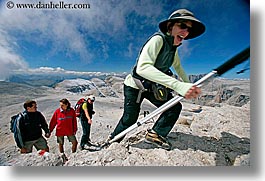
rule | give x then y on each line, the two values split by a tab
180	31
63	106
90	101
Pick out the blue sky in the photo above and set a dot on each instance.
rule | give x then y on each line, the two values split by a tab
107	36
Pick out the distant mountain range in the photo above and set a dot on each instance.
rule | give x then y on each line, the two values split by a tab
51	80
215	91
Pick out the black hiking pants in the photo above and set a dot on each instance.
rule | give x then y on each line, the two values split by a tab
162	126
86	132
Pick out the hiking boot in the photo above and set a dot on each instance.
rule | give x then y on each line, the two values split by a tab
81	147
155	139
86	146
65	159
105	144
90	143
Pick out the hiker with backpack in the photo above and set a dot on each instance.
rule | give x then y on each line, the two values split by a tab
151	77
64	120
86	113
31	123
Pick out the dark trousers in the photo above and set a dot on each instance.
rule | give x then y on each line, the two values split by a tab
86	132
162	126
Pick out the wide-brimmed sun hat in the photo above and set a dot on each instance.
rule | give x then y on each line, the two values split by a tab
197	29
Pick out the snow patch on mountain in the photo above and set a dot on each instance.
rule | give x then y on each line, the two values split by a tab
94	86
75	85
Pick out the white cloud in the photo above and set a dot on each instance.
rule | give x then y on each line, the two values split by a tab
58	71
129	52
9	60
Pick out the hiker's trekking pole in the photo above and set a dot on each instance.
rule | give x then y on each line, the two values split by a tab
231	63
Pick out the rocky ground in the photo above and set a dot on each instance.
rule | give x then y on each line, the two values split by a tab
206	134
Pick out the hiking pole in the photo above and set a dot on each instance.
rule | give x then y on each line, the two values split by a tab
231	63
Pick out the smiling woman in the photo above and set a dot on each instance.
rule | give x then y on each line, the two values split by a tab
152	79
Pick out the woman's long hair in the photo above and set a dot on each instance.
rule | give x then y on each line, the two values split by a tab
66	102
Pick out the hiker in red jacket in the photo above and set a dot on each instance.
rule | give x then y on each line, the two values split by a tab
66	125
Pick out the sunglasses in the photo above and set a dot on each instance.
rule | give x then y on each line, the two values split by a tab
184	26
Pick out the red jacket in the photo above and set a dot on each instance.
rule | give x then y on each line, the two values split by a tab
65	122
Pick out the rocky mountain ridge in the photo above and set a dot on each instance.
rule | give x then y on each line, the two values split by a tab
213	92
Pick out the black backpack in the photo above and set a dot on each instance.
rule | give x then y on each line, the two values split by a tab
14	128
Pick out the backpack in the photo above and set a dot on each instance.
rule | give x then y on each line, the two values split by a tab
78	107
14	128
